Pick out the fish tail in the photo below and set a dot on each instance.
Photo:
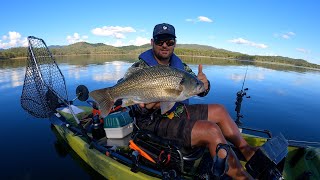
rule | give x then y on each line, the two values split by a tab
104	99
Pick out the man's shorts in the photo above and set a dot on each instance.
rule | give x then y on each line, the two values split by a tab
179	127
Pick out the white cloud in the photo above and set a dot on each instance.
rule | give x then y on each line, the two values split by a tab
204	19
303	50
287	35
115	31
291	33
239	77
270	54
200	19
13	39
118	43
249	43
76	38
140	41
136	42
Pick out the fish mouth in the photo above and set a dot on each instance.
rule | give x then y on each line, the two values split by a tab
201	89
197	90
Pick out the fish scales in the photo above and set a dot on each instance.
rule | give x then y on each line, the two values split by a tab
162	78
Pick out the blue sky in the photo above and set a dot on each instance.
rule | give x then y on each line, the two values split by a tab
261	27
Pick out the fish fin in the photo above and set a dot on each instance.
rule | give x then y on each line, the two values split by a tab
166	106
104	99
128	102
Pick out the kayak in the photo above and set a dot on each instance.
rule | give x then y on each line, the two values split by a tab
115	148
300	161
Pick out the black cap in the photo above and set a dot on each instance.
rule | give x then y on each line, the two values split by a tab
164	28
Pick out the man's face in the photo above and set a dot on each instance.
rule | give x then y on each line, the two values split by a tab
163	48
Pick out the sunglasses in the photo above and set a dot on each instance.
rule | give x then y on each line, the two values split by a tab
169	42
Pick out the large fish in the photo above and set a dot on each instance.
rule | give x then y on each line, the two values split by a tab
163	84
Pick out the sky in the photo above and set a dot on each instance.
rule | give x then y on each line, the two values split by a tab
288	28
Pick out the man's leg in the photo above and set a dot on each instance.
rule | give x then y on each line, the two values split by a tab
219	115
209	134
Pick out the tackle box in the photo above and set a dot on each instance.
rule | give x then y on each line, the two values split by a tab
118	124
120	132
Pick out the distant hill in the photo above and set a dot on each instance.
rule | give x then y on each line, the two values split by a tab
84	48
55	46
132	47
192	50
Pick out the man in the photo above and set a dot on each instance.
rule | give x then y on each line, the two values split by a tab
191	125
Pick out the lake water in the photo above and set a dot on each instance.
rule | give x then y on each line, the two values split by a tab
283	99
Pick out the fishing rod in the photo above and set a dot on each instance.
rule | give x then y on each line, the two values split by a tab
240	95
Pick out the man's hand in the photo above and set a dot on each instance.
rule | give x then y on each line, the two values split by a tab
155	105
202	77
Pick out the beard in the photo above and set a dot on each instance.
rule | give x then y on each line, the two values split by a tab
163	54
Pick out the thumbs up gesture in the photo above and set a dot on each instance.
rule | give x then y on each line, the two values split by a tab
202	77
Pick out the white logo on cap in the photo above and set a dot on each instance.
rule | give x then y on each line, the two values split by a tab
165	27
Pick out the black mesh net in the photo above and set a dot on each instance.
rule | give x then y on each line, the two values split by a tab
44	86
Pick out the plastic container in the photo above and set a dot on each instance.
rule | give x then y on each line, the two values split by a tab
117	120
120	132
119	141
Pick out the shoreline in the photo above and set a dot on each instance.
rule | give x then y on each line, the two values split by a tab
190	56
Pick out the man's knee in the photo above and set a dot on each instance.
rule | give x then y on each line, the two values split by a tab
206	132
217	107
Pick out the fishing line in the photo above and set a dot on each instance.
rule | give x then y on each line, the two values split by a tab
244	79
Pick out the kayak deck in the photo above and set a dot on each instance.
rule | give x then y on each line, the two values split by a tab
300	161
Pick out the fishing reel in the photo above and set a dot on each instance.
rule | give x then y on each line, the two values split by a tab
82	93
240	94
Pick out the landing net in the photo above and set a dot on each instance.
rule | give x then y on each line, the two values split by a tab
44	85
